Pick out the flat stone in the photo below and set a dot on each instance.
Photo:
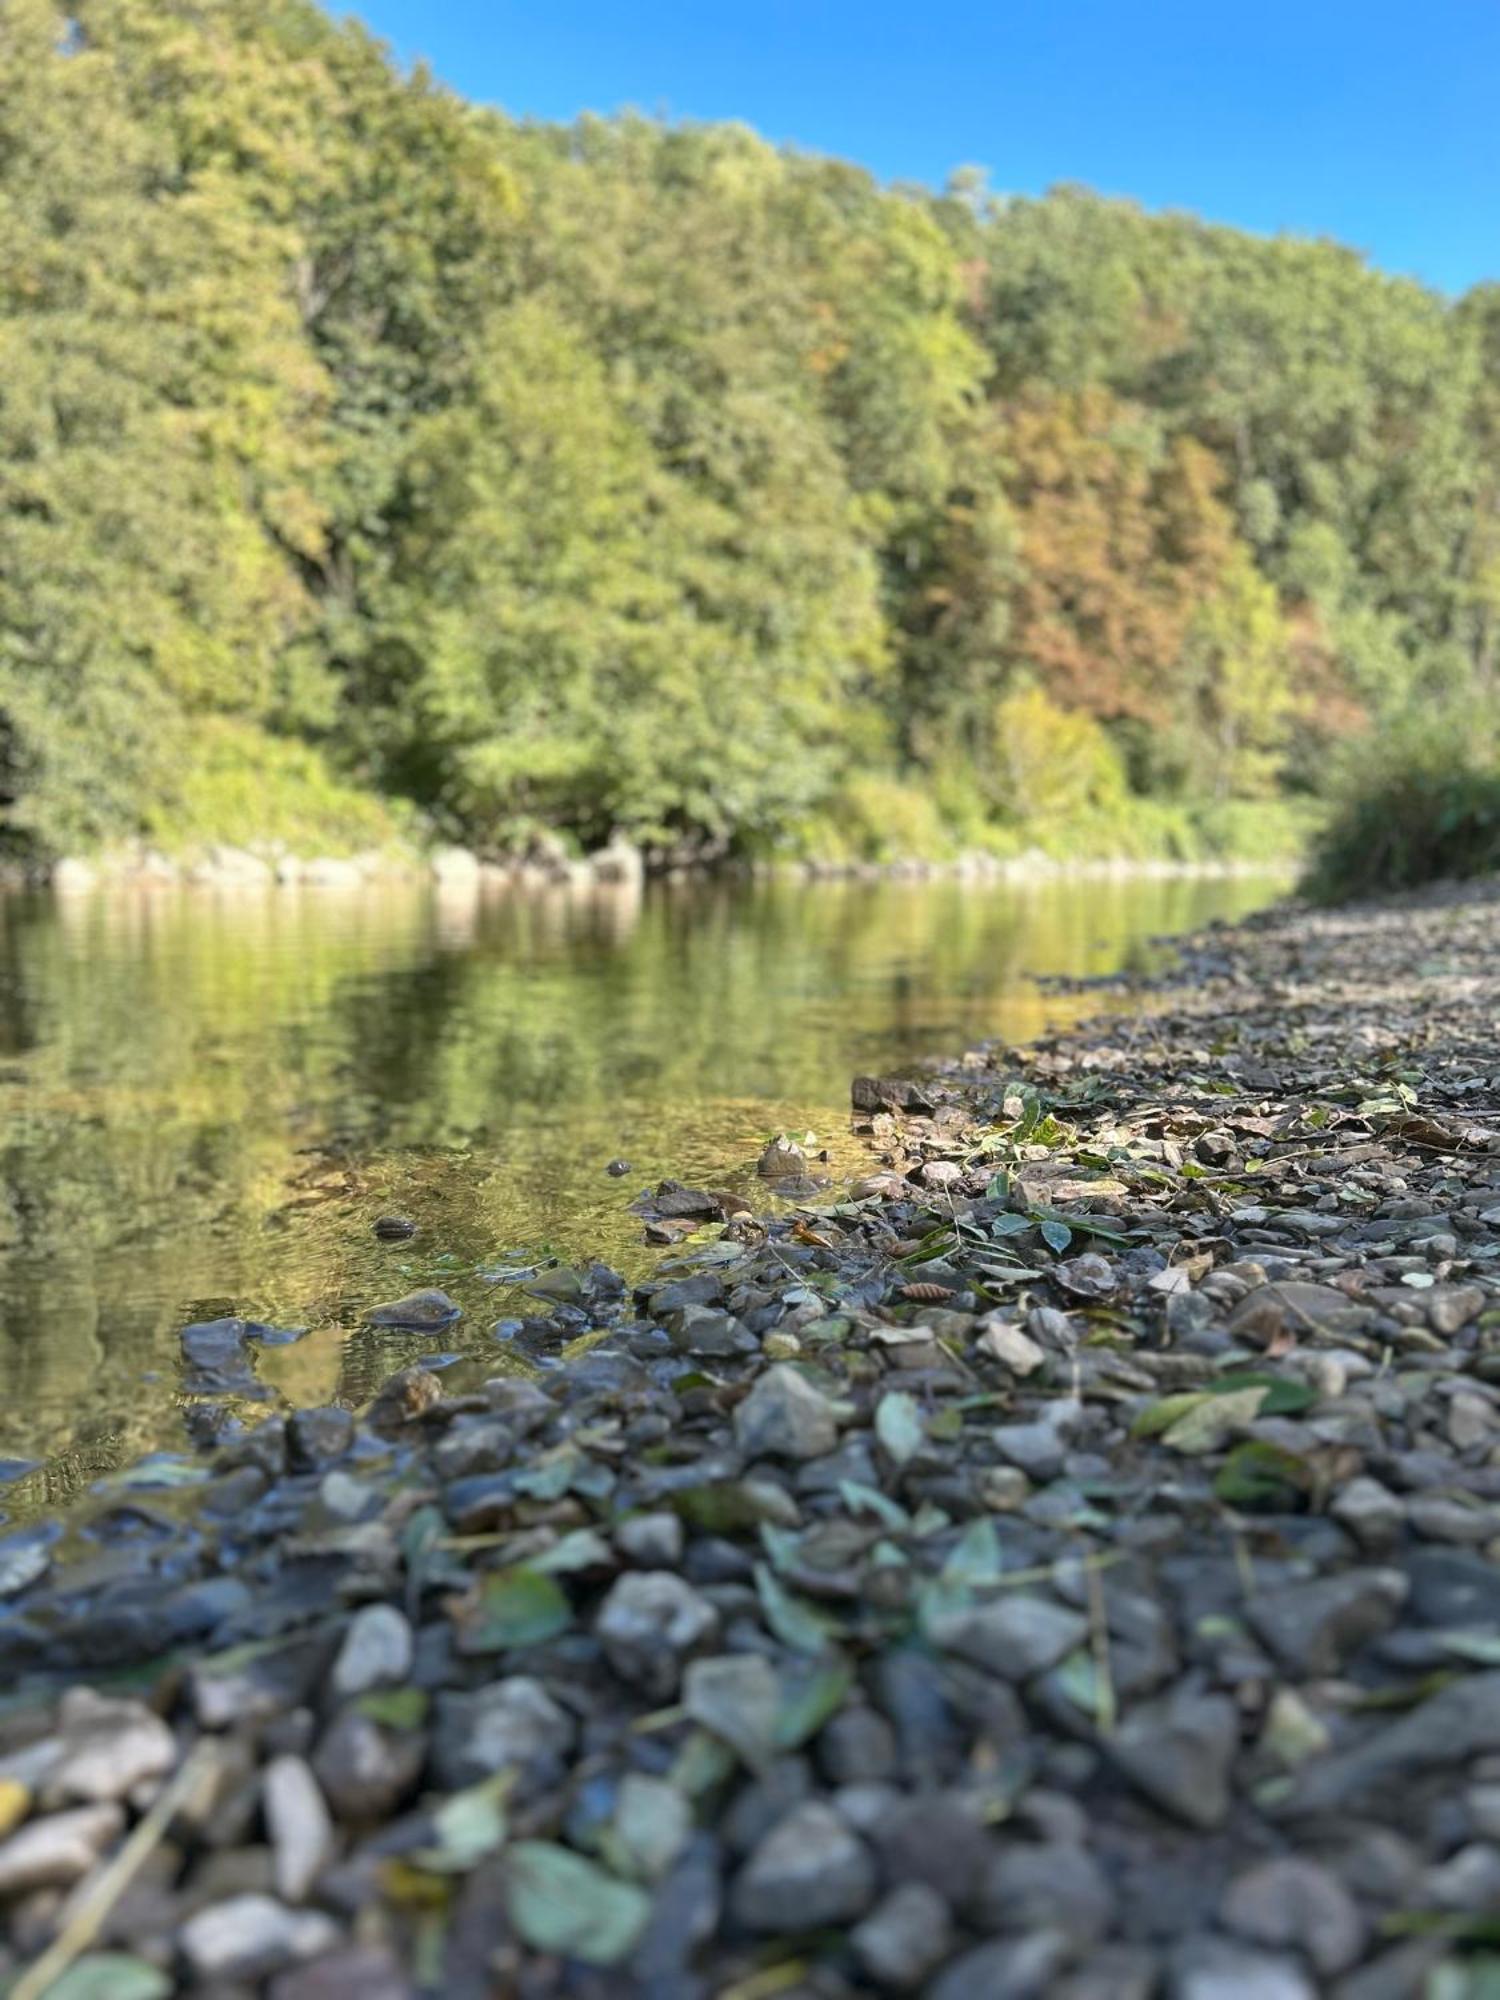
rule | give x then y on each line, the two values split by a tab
315	1438
810	1871
248	1937
648	1625
107	1747
1217	1969
299	1826
1313	1627
904	1938
52	1853
1178	1752
419	1312
1303	1310
1451	1307
784	1416
377	1651
1373	1515
510	1722
1009	1969
354	1972
1049	1886
1015	1637
1297	1904
366	1770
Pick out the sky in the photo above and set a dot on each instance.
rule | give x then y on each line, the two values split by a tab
1372	121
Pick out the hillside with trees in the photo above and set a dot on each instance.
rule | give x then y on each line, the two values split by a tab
372	463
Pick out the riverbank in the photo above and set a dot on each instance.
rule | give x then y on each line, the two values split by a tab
460	872
903	1592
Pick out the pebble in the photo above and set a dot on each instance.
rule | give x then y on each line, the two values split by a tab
51	1853
648	1624
377	1651
784	1416
905	1937
247	1937
107	1748
1296	1904
809	1872
1016	1636
299	1826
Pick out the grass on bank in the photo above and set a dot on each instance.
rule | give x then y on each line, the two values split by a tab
1419	802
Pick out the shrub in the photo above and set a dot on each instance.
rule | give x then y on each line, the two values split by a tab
1417	803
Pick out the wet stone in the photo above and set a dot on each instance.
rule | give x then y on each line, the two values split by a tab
315	1438
419	1312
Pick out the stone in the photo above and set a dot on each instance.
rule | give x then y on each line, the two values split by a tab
857	1747
648	1625
904	1938
510	1722
1015	1636
419	1312
1049	1886
784	1416
248	1937
782	1157
377	1651
1450	1307
655	1540
936	1838
366	1770
1313	1627
352	1972
1372	1514
298	1825
52	1853
1458	1722
1114	1972
1297	1904
315	1438
1178	1752
1217	1969
809	1872
1009	1969
108	1747
1305	1311
1003	1341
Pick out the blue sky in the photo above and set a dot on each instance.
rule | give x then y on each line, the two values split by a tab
1373	122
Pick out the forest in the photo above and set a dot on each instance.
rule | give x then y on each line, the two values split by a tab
374	467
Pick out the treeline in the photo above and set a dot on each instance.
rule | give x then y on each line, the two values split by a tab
369	460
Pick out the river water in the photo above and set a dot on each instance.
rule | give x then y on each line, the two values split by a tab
206	1100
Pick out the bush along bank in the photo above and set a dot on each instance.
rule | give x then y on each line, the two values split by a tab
899	1592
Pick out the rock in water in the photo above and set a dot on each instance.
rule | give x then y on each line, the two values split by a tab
421	1312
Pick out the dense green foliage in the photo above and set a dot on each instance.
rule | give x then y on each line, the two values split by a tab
1418	803
358	445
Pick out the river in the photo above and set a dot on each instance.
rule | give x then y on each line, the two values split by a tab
205	1101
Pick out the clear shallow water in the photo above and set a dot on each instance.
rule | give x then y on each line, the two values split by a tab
205	1101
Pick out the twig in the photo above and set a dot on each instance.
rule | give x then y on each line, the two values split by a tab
85	1921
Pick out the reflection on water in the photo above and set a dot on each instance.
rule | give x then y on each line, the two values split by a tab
204	1102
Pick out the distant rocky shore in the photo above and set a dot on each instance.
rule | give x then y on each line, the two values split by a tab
621	864
1063	1566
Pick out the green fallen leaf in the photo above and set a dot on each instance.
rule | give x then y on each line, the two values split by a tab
1056	1235
1258	1474
111	1975
793	1620
558	1902
514	1608
469	1826
395	1708
808	1695
1212	1421
899	1425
